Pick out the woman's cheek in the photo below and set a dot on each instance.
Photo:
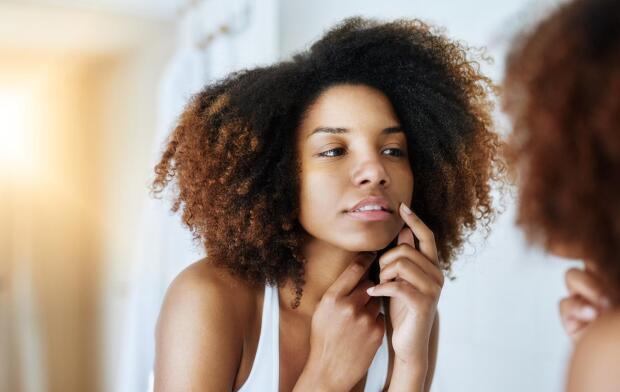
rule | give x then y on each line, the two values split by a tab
317	199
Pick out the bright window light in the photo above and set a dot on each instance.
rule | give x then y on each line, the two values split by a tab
14	146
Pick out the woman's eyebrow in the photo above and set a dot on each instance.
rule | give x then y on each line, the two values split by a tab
336	130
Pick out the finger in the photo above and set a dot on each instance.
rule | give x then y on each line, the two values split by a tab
359	295
406	236
424	235
575	308
574	328
410	272
576	315
406	251
401	290
350	277
374	306
585	285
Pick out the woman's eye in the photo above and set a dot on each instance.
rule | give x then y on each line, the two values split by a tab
334	152
397	151
330	153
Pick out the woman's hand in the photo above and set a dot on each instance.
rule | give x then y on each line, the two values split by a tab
585	302
346	331
414	281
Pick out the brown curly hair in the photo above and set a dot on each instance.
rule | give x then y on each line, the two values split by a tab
562	92
233	151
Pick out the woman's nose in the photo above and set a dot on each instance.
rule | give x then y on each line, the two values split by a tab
370	171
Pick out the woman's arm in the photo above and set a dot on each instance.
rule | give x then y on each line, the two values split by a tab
594	365
432	354
411	377
198	339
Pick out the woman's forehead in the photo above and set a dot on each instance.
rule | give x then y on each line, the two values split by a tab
347	108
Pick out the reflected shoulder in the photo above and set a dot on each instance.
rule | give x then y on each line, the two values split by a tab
594	364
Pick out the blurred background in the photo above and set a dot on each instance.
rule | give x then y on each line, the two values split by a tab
88	92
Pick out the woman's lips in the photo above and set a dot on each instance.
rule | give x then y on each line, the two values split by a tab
373	215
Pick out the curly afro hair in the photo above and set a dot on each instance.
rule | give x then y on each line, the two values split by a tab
233	154
562	92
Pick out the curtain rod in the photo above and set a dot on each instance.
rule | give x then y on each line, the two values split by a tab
239	23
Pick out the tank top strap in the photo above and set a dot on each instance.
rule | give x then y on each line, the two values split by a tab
376	377
265	371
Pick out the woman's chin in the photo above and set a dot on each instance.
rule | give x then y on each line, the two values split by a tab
356	240
373	244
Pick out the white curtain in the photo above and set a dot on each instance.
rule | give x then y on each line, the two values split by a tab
205	52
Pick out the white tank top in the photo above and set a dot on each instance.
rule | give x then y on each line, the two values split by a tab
264	375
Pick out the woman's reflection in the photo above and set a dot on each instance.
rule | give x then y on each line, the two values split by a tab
562	92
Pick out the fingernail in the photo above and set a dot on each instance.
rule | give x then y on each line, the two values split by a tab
370	290
588	313
406	209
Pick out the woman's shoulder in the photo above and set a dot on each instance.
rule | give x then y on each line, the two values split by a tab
201	328
594	364
204	284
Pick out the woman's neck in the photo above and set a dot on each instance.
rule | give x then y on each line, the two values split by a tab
324	264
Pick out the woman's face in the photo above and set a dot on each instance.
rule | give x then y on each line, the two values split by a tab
351	147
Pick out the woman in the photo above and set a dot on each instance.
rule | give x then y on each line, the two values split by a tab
562	91
298	178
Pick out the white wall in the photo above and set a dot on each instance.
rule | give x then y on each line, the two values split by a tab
500	329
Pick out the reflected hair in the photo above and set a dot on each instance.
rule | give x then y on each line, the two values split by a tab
562	92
